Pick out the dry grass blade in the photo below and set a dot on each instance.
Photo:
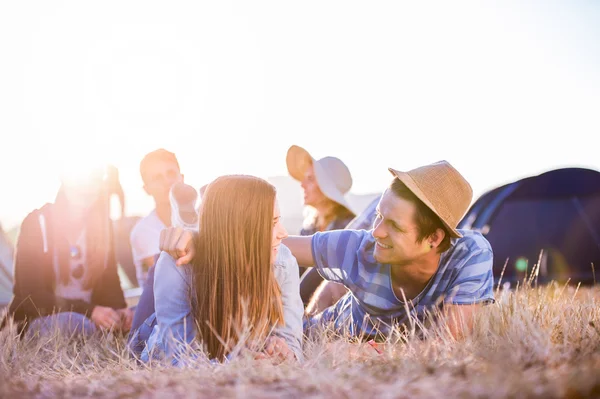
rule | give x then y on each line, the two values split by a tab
534	342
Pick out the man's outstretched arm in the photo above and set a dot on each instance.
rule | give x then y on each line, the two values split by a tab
460	318
301	247
179	243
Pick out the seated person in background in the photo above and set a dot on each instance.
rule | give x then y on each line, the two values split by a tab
65	268
240	233
159	170
325	183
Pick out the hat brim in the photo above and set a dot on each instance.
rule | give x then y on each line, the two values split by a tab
328	187
298	160
414	188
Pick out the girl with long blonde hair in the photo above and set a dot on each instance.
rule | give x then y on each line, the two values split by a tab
241	290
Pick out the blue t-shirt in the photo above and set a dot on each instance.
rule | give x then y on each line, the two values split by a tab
464	276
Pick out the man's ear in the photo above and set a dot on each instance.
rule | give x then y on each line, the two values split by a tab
437	237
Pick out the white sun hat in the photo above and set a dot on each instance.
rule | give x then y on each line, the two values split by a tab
333	176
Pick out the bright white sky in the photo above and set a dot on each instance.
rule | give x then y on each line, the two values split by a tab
501	91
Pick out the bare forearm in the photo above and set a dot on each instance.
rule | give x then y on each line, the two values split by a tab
301	247
459	319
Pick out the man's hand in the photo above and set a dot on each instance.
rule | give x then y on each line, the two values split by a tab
126	316
105	318
277	350
178	243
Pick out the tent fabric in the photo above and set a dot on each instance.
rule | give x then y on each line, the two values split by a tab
6	268
552	219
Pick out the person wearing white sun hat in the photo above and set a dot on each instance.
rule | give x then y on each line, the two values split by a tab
325	183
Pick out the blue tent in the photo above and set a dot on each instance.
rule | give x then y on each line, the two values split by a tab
6	268
555	214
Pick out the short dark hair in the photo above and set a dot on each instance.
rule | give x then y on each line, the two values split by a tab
156	156
426	220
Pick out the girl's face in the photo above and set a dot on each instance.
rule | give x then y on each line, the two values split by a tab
279	232
313	195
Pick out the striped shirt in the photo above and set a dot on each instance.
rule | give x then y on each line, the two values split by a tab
366	219
464	276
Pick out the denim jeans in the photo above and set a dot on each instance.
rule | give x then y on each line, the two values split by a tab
145	306
67	323
141	327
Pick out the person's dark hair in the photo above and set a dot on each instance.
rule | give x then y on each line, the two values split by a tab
156	156
427	221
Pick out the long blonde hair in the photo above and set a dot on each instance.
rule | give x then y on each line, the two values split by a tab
235	285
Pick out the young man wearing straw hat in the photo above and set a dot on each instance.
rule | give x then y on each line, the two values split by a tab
413	260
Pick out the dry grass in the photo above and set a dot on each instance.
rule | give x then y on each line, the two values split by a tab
537	342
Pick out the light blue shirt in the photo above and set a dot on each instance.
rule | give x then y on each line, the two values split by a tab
175	330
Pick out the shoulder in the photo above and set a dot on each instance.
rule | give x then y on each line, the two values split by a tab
285	259
283	253
472	249
166	262
34	233
470	242
31	217
167	271
36	217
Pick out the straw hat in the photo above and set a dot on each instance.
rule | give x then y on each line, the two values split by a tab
333	176
442	189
